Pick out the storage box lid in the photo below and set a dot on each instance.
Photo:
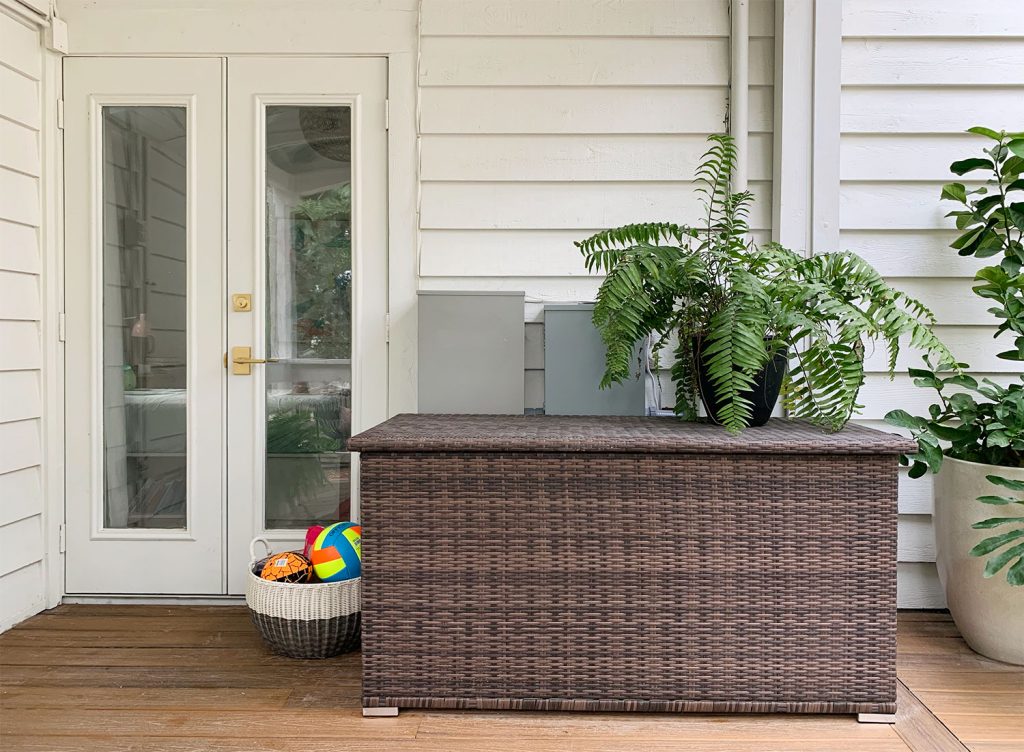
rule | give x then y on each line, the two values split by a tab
555	433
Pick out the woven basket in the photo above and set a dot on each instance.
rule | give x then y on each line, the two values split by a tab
311	620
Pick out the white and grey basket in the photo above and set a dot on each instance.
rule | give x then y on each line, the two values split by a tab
303	620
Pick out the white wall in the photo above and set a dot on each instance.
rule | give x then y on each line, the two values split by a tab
22	570
543	121
915	74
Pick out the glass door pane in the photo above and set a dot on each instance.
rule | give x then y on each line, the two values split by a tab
144	316
309	314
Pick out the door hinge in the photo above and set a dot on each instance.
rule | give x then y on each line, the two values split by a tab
62	327
62	539
387	114
387	327
60	114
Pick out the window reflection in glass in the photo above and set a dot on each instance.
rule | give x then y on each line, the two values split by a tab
144	175
309	314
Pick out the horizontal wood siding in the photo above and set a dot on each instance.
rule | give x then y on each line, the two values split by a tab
22	587
543	121
915	75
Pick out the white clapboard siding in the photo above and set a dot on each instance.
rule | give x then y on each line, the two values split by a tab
932	62
547	205
574	110
543	121
626	158
583	61
915	75
509	253
22	590
650	18
933	19
902	110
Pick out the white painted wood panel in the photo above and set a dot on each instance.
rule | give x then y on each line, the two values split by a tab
19	147
628	158
22	590
20	45
911	157
936	18
535	205
21	593
898	62
19	343
918	586
885	205
878	109
513	253
20	100
19	247
19	445
19	198
21	494
20	298
970	344
636	18
698	110
20	397
262	27
909	252
21	544
581	61
915	75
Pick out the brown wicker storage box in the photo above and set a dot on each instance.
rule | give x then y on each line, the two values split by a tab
605	563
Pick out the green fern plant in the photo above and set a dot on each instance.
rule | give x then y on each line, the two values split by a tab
743	303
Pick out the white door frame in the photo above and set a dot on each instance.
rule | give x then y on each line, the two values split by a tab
254	84
256	29
197	85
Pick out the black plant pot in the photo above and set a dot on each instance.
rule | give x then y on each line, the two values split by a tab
764	395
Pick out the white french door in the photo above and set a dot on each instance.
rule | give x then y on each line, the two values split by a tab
307	239
214	204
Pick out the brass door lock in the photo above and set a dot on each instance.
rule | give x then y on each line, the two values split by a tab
241	302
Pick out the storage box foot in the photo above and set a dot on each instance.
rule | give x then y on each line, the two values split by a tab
380	712
876	717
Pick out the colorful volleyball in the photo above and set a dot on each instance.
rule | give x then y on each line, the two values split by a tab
336	553
286	567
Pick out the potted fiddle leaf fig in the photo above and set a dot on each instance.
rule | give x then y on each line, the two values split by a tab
973	436
748	320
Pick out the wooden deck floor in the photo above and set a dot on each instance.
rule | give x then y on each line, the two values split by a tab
154	678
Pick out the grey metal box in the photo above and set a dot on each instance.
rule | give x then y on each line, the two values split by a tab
574	363
471	352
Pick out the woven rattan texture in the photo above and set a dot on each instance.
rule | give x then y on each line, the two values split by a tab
629	581
555	433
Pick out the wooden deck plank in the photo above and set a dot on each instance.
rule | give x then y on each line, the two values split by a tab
207	744
89	678
919	728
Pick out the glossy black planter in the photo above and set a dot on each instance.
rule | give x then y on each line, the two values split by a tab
764	394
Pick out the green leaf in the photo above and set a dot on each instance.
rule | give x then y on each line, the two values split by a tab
1015	574
1013	485
903	419
988	132
1016	146
989	545
955	192
998	500
964	166
995	522
993	565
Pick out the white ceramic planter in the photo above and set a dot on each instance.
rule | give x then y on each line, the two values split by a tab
988	612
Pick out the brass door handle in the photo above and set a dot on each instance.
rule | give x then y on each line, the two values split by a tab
242	360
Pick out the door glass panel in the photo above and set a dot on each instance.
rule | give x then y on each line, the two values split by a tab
309	314
144	316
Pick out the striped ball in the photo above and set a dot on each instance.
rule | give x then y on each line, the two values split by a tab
336	553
